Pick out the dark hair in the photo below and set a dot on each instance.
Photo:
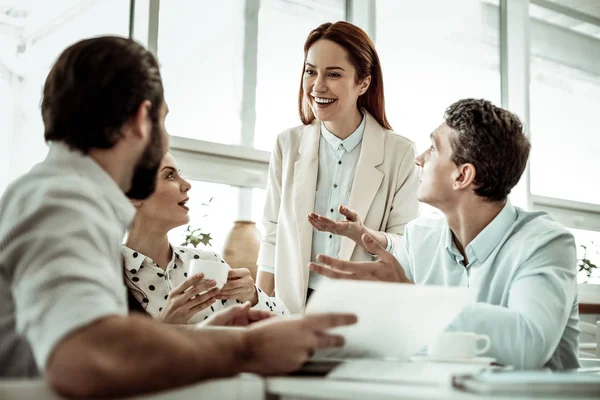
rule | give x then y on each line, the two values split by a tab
94	87
133	303
492	139
363	57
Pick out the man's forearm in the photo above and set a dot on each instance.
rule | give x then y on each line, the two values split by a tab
121	356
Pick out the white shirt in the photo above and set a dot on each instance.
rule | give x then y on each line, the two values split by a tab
61	226
152	284
522	270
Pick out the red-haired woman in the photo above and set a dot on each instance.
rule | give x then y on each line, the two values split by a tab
343	157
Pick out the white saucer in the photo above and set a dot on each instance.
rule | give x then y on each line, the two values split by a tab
474	360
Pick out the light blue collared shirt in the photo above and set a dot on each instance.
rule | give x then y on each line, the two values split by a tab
337	165
522	270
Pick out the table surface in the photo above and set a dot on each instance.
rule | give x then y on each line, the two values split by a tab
287	388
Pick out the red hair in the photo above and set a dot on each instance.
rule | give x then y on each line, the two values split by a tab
363	57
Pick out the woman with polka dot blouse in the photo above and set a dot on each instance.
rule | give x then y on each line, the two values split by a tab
156	272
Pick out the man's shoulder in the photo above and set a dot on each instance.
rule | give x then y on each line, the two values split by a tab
537	226
426	227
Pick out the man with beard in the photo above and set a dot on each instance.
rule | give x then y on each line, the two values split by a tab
62	296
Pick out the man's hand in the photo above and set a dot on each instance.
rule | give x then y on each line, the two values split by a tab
239	286
279	346
352	227
386	268
237	315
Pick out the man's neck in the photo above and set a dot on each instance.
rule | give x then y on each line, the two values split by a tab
110	160
467	219
344	127
151	241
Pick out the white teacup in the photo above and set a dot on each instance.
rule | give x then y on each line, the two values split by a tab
214	270
459	345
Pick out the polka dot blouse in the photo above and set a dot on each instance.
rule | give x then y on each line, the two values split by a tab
151	284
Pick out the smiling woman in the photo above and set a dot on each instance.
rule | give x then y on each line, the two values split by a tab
156	272
345	153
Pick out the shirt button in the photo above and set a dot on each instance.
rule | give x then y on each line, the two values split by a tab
335	185
331	210
339	162
330	236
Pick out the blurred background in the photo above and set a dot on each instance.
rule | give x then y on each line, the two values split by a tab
231	70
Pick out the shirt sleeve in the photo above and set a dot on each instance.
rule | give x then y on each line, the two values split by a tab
527	332
65	275
401	250
266	254
264	268
268	303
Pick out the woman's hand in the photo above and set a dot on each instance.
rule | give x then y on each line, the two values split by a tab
352	227
184	301
239	286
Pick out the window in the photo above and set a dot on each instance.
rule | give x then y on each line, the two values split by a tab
283	26
200	49
591	241
34	33
214	208
432	54
565	99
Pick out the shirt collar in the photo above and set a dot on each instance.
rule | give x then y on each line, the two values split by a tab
350	142
86	167
488	238
492	234
134	259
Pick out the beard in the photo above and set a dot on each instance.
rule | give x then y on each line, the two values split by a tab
143	182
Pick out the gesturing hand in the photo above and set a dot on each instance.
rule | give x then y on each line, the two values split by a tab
239	286
386	268
352	227
184	301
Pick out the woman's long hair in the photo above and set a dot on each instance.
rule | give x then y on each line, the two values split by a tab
132	301
362	55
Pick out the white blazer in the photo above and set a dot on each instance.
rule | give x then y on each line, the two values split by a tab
384	194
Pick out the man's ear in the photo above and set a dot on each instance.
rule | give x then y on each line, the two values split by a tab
141	122
465	175
364	85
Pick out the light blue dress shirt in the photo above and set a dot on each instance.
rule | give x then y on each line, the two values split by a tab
337	165
522	270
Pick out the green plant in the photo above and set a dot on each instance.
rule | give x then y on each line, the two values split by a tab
195	236
584	262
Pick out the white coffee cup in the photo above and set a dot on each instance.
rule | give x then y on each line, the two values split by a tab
214	270
458	345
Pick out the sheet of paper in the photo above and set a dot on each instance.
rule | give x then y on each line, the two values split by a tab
418	373
394	320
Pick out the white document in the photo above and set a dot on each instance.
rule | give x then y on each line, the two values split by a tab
395	320
417	373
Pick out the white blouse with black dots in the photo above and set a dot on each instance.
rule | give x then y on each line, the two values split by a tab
151	284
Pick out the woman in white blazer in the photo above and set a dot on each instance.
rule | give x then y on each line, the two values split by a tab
345	153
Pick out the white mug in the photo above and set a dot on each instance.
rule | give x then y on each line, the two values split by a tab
455	345
214	270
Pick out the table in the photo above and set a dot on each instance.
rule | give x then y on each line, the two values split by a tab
589	298
301	388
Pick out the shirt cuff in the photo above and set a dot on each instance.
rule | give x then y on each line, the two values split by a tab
264	268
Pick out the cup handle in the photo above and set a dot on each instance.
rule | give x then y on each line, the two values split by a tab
487	345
